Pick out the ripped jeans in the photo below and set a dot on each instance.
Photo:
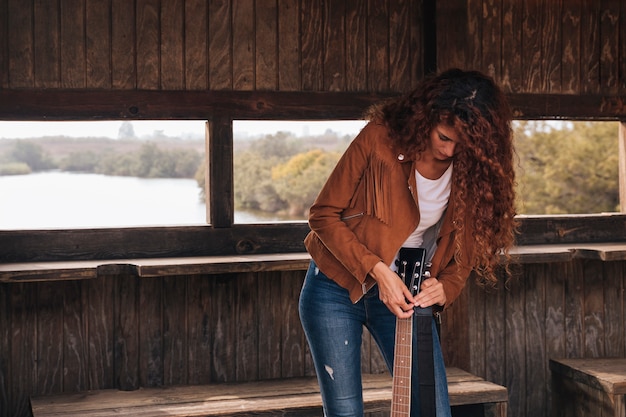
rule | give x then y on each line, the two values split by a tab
334	326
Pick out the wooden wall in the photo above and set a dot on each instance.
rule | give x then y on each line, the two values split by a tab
280	45
125	332
572	309
537	46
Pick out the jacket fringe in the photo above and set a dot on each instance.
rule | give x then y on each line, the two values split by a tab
377	190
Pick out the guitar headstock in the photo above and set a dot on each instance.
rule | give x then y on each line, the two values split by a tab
413	268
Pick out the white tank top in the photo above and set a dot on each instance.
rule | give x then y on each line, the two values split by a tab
433	196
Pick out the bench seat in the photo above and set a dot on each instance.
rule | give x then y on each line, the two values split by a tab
284	397
588	387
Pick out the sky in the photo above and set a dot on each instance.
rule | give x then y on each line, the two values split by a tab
14	130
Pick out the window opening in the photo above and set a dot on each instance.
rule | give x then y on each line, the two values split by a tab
567	167
101	174
281	165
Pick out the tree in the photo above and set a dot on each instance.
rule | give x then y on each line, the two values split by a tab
126	131
254	188
569	170
32	155
299	180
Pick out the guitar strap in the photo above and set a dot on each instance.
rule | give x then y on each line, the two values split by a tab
423	373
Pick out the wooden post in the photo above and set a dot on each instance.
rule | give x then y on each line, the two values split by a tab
219	172
622	166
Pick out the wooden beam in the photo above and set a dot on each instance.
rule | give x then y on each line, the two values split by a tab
57	104
622	167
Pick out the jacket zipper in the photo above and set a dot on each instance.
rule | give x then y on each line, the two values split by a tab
352	216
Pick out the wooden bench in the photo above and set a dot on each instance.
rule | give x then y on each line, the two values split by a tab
588	387
469	396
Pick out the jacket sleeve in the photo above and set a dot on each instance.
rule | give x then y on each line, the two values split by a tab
334	199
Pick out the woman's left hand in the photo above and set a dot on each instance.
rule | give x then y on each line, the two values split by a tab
431	292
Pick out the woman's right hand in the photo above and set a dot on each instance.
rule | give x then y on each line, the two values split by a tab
393	292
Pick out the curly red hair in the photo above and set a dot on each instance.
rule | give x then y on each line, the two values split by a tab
483	176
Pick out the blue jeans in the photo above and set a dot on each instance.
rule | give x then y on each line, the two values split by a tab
334	326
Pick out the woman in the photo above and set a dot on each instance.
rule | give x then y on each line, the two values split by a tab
432	169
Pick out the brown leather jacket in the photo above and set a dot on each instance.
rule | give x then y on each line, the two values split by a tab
364	214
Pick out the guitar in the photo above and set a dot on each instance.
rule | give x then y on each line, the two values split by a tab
412	268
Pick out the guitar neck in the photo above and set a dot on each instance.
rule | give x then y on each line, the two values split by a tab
402	363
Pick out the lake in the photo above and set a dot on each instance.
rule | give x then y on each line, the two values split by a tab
74	200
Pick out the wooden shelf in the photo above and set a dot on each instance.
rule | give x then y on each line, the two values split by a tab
157	267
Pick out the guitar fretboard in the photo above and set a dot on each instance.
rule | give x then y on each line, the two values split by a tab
401	389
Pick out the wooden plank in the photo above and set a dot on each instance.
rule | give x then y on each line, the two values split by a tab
535	342
100	316
516	361
195	40
476	328
551	44
49	339
590	47
266	44
38	105
247	307
422	12
20	28
593	319
111	244
23	361
220	45
312	41
334	46
98	43
613	288
199	299
472	39
243	44
47	44
622	165
72	44
252	397
400	53
455	337
495	334
456	34
221	312
378	46
531	52
4	53
123	44
294	340
295	261
150	330
356	45
622	49
172	46
5	346
609	45
74	344
126	338
574	298
289	68
270	327
555	318
148	41
570	51
491	35
605	374
175	324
